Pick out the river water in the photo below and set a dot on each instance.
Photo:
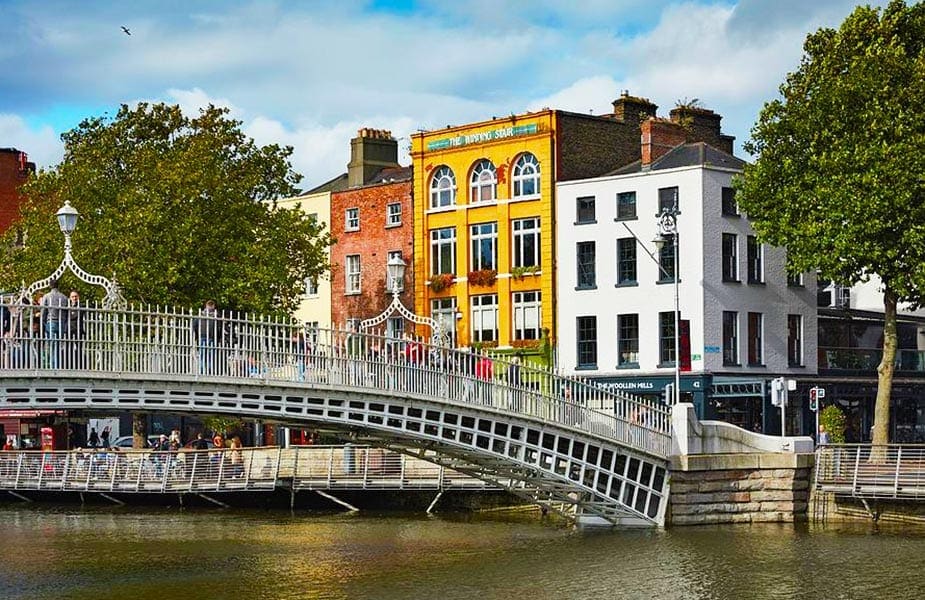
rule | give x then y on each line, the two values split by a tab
140	554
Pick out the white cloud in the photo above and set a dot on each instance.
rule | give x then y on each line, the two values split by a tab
42	144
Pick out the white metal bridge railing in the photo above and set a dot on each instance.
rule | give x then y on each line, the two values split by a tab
241	348
247	469
866	471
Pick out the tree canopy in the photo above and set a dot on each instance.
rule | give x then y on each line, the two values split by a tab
180	209
839	178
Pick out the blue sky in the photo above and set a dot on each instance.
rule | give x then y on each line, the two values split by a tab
310	74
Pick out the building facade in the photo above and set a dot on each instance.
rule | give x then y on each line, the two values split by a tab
485	214
371	221
15	170
315	308
743	321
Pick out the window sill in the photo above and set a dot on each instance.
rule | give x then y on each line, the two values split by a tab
352	230
726	280
628	366
586	368
478	203
732	215
620	219
666	365
393	225
757	366
666	281
756	282
789	366
624	284
729	364
442	209
526	197
356	293
581	288
592	222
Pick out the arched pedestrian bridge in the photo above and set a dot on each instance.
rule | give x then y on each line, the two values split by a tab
560	442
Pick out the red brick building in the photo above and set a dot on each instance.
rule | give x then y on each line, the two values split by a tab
15	169
372	220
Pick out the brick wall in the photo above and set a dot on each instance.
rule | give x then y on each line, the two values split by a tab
372	242
590	146
14	171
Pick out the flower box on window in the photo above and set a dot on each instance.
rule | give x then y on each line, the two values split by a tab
483	277
521	272
441	281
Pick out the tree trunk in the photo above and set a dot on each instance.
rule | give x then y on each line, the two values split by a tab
881	432
139	430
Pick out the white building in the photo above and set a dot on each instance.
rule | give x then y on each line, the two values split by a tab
742	321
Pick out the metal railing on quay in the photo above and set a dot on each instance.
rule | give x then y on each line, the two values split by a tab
366	467
236	348
867	471
227	470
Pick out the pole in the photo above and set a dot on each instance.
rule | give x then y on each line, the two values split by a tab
677	322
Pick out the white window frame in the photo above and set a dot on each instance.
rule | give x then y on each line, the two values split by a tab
352	273
442	187
520	230
754	251
392	216
526	171
756	336
479	233
352	219
311	287
483	309
436	245
443	311
483	183
527	310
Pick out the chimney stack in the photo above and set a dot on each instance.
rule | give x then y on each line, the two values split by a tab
371	151
658	137
632	110
702	124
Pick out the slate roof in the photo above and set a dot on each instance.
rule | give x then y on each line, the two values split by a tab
338	184
686	155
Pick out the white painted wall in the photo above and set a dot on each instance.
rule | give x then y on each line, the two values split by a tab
703	294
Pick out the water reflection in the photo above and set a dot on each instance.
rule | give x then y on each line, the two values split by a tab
122	552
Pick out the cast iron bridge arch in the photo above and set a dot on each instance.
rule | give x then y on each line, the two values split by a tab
560	442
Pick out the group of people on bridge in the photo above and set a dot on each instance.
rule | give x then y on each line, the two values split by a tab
44	332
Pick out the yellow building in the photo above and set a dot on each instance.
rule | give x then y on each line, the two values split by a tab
484	206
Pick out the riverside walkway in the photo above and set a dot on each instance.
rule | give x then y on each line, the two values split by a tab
557	441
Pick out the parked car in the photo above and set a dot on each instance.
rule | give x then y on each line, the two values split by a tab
126	441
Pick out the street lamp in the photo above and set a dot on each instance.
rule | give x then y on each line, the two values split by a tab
395	267
67	217
668	228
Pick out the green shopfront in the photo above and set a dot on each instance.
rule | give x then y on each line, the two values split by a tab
694	388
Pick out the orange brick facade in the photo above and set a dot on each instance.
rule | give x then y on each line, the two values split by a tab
15	169
372	242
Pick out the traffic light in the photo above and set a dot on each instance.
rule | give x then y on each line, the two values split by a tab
813	400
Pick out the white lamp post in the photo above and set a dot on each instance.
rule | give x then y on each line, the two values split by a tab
395	268
668	227
67	220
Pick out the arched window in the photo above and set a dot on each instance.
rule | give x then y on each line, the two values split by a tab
442	187
526	176
484	182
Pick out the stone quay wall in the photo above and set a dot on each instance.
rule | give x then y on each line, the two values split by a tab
739	488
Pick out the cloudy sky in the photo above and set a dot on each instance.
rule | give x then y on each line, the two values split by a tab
310	73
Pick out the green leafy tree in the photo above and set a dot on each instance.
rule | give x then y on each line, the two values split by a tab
833	419
180	209
839	178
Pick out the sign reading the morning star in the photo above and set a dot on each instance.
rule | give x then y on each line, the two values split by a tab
482	136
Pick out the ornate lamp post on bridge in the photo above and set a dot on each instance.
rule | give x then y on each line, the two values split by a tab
67	221
396	272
